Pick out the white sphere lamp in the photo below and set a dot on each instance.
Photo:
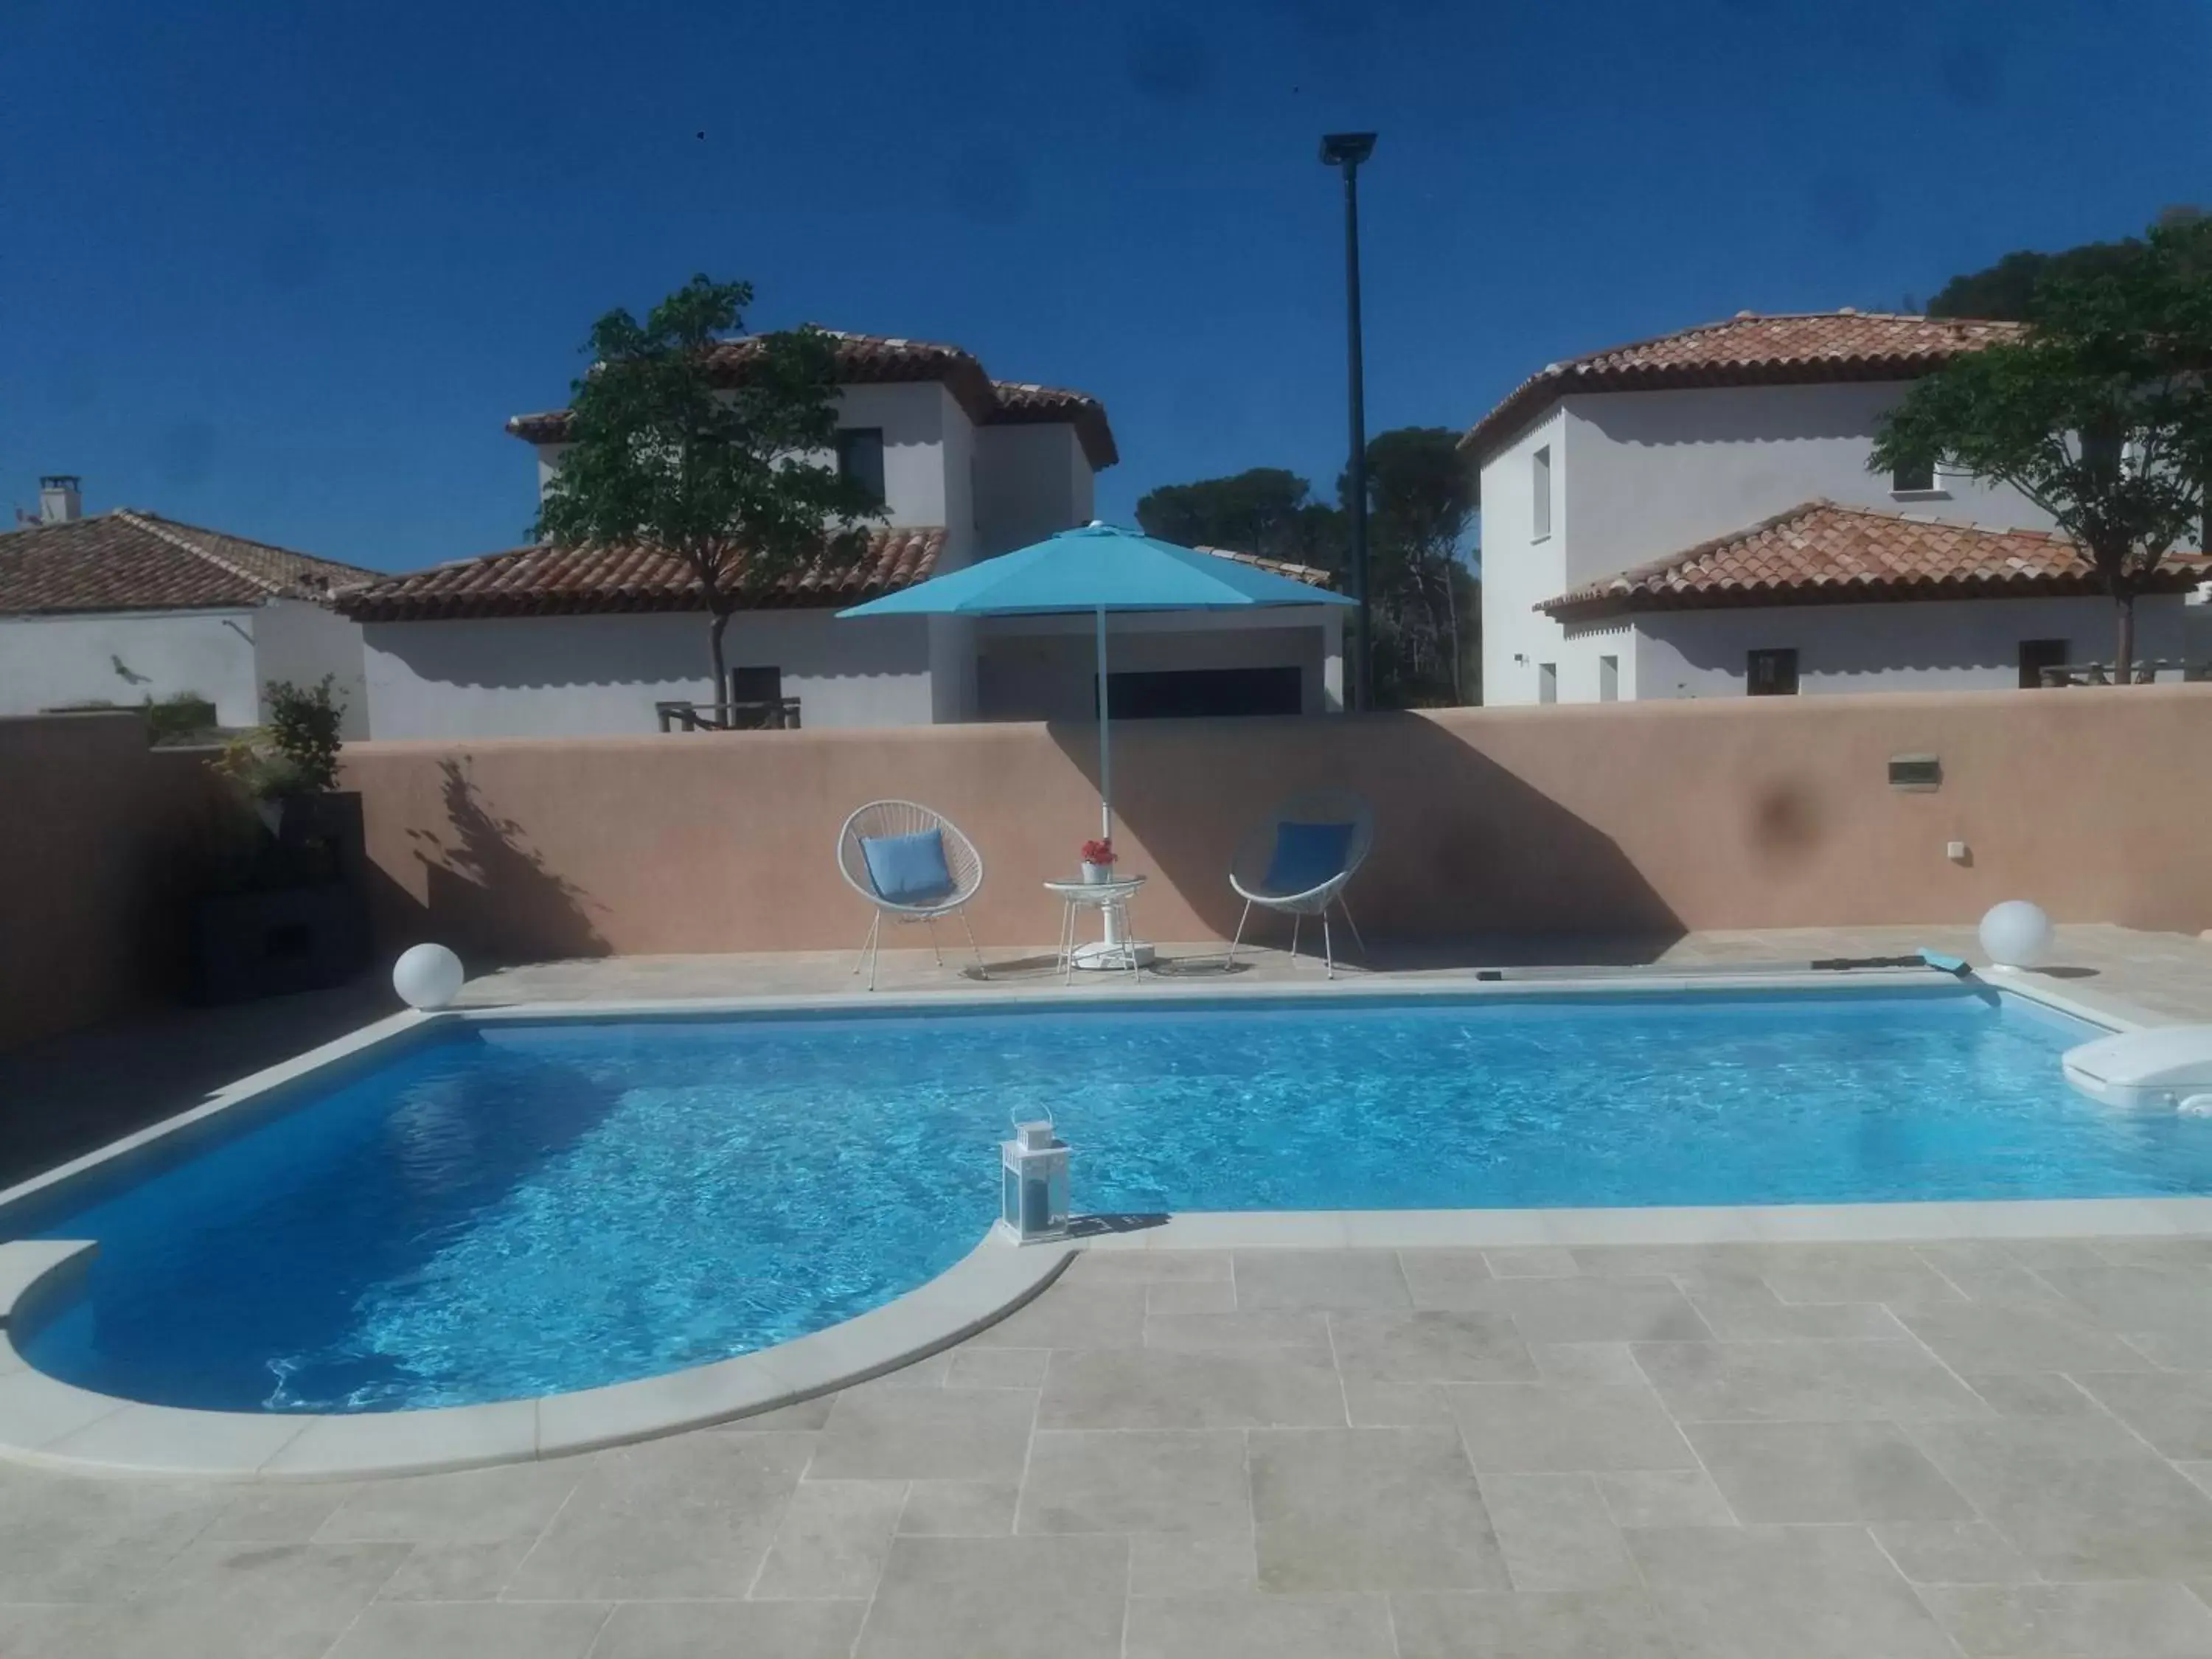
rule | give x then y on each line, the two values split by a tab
2016	934
427	977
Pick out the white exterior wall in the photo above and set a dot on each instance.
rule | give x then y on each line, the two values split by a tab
1036	668
1031	481
1520	571
298	640
1939	644
129	658
600	675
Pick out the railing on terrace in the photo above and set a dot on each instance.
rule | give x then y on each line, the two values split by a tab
2147	673
771	714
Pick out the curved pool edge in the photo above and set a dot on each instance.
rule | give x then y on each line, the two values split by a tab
50	1424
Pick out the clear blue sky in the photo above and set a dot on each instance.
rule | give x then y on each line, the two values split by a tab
284	270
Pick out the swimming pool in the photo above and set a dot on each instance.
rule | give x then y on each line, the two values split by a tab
508	1208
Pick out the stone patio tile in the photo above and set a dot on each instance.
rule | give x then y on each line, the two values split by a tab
2182	1254
1239	1329
997	1368
514	1500
935	1434
1371	1405
1579	1309
1824	1471
999	1598
1370	1510
474	1571
1197	1296
690	1515
1811	1592
728	1630
1345	1279
1888	1273
1532	1262
799	1414
1556	1533
2074	1621
1245	1624
2173	1410
2129	1299
1083	1315
959	1509
1429	1345
1988	1271
1155	1388
1535	1428
1736	1312
1821	1382
1192	1564
832	1541
930	1371
1601	1364
1742	1262
1664	1497
54	1630
1953	1553
2033	1395
277	1513
1148	1267
67	1538
1991	1337
480	1630
1123	1480
1561	1625
1434	1275
247	1601
2077	1508
2180	1350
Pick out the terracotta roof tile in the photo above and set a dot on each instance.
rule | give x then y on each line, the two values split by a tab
875	359
1748	349
1824	554
543	580
126	560
1312	575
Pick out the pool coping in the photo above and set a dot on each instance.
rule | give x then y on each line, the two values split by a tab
47	1421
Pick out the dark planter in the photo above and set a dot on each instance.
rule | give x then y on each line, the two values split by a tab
300	922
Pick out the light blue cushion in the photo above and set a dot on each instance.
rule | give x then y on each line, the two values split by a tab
909	869
1306	855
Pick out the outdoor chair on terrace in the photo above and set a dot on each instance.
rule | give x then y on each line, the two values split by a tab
912	864
1298	861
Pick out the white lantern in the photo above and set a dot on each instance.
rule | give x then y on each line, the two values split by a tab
427	977
2016	934
1033	1202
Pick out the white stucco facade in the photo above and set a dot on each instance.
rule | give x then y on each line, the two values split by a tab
1636	477
228	655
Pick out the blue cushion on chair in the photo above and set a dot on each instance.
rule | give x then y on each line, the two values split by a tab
909	869
1306	855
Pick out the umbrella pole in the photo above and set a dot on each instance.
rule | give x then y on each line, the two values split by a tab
1105	742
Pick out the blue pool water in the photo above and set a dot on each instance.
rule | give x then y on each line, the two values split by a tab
515	1209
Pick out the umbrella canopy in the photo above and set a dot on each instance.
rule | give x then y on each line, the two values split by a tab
1095	570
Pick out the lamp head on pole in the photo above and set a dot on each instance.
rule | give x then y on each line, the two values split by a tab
1346	149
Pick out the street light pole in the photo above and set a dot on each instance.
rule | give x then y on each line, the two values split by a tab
1346	151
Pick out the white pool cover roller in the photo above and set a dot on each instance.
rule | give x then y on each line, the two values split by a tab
2169	1067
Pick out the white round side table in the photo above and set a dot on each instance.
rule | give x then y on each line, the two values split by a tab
1118	948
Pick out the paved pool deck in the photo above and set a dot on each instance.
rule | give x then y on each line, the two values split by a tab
1987	1448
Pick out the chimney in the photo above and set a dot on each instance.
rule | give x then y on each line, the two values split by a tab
60	501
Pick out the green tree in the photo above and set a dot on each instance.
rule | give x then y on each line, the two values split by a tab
1421	496
2101	414
1264	510
665	452
2006	290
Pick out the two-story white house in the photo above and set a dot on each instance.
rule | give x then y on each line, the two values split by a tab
1692	516
537	641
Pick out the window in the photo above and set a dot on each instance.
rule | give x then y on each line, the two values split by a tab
755	685
2035	656
1608	679
1918	479
860	455
1771	673
1540	481
1547	682
757	702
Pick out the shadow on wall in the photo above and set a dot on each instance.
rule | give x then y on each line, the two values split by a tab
1465	851
488	892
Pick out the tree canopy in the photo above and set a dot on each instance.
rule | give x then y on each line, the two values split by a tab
1264	510
2007	290
2101	414
729	479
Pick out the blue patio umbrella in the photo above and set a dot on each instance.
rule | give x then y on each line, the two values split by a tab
1098	568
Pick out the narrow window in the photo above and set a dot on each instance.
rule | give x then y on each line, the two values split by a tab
1771	673
1608	679
1540	483
1916	479
860	456
1547	682
2035	656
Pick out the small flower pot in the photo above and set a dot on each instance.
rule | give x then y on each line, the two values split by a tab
1097	875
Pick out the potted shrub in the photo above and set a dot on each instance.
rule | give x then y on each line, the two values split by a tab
289	911
1098	861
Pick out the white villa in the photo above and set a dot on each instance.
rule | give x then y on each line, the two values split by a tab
126	608
1692	516
538	642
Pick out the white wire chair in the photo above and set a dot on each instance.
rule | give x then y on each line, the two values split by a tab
961	861
1248	870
